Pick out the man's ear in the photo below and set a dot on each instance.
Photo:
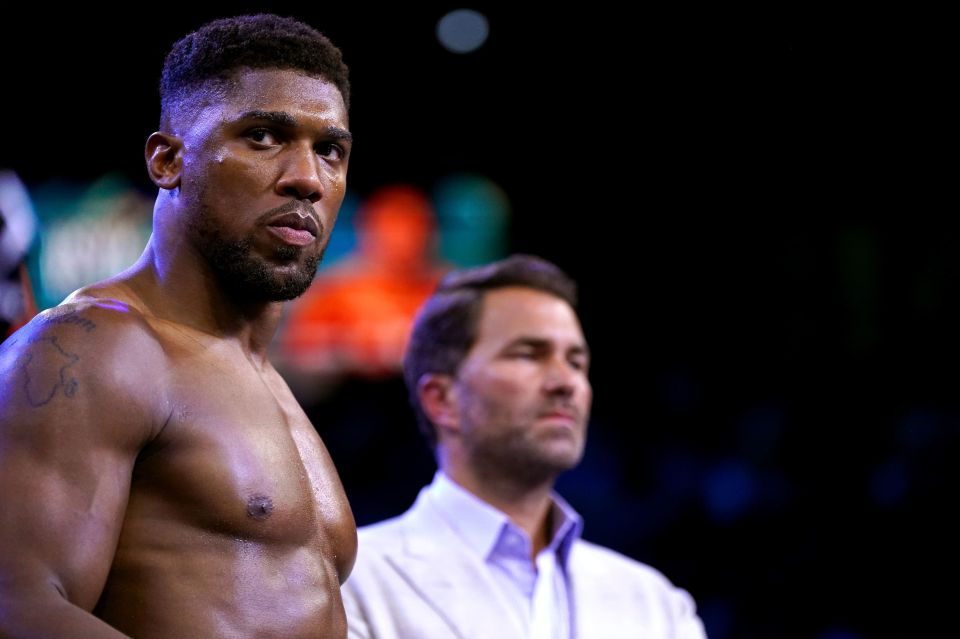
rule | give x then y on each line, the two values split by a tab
164	159
438	399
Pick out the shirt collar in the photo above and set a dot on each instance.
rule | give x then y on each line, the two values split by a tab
472	519
567	527
480	525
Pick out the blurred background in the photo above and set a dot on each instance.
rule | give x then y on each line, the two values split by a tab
754	205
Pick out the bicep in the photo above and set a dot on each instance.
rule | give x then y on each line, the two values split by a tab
60	522
65	467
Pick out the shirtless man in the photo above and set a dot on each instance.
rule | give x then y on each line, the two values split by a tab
158	479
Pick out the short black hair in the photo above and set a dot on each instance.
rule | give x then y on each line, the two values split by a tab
445	328
262	41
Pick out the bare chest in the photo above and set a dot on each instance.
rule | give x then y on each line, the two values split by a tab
239	458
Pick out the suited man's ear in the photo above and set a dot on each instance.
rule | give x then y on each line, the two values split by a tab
164	155
438	399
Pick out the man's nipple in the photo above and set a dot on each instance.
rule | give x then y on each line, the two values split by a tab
259	507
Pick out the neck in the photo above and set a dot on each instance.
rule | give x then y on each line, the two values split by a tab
179	287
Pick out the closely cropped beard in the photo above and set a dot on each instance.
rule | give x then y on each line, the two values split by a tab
245	275
508	458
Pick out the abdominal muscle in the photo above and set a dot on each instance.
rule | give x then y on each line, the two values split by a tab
222	587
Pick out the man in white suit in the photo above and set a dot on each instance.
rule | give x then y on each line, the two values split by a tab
497	371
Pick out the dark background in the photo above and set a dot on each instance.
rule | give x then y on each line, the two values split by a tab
755	206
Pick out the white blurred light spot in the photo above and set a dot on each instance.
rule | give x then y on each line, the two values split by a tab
462	31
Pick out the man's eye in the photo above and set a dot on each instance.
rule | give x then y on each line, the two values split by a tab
262	136
330	150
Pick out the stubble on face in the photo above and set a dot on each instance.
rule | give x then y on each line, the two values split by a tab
282	276
522	393
506	447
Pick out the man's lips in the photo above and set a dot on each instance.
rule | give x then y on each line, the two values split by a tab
298	227
296	221
554	413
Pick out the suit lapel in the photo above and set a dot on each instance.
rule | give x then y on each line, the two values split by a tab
450	578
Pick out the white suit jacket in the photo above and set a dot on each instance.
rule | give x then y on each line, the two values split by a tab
415	579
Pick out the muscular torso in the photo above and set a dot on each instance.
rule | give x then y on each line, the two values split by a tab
237	524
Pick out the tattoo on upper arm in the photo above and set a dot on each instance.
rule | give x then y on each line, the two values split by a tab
41	388
8	344
72	317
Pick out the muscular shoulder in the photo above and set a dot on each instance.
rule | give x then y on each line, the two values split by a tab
110	332
86	357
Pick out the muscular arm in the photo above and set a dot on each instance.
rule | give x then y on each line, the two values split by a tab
71	426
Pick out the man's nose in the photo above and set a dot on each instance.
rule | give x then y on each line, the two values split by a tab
301	174
561	377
